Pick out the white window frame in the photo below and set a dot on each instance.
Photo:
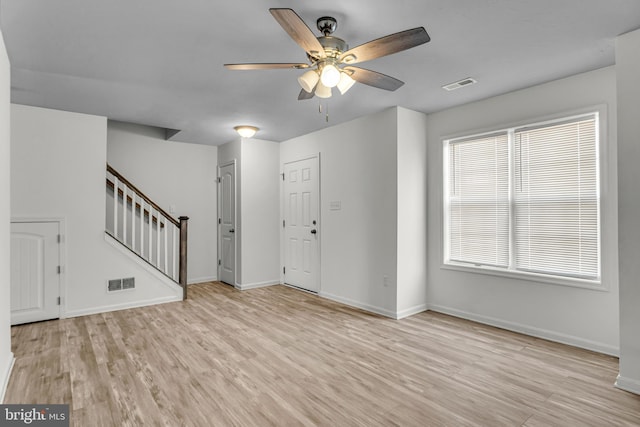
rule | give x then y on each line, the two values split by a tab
511	272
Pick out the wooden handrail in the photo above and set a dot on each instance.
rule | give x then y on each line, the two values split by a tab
141	194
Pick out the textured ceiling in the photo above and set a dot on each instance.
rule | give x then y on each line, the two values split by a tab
160	63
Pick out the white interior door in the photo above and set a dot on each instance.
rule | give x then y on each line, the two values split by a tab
301	230
227	225
35	278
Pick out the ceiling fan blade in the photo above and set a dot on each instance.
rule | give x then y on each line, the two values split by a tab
373	78
305	95
298	31
386	46
266	66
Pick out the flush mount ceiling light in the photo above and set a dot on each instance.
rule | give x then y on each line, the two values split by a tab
330	59
246	131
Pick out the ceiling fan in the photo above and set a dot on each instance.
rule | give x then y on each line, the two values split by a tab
330	59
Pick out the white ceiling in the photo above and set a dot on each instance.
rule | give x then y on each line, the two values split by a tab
160	62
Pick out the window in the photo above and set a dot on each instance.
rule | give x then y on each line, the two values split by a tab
526	199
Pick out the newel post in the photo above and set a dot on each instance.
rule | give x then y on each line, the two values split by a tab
182	274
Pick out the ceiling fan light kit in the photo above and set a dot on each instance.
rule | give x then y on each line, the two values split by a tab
309	80
345	82
323	91
330	75
330	59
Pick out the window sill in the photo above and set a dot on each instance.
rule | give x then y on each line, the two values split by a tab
595	285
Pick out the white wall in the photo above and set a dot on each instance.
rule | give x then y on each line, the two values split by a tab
628	70
229	152
6	356
577	316
173	174
58	170
260	195
412	212
358	243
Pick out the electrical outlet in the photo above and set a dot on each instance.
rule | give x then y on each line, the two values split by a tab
385	281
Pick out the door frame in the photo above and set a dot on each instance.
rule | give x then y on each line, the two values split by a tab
235	219
318	227
62	253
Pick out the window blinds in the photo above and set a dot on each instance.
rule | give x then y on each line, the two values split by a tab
479	200
557	199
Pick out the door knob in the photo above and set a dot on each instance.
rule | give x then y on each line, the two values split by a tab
314	231
232	230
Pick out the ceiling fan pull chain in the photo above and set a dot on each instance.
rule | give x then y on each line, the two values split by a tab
327	111
319	107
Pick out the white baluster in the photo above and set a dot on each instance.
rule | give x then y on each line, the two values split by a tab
115	206
142	227
166	254
133	221
174	249
124	213
158	241
150	234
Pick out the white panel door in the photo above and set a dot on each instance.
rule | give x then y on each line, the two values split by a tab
35	279
301	229
227	225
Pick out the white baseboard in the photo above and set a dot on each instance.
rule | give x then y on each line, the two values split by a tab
202	280
256	285
530	330
411	311
4	379
357	304
124	306
628	384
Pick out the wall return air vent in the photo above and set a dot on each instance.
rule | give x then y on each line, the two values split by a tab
121	284
460	83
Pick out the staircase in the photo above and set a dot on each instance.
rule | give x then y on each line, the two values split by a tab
145	229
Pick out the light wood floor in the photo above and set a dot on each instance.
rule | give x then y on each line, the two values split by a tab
278	356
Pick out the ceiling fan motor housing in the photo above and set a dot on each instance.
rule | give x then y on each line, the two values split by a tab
327	25
333	46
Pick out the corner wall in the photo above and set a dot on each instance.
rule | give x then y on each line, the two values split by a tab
576	316
628	70
6	356
260	195
173	174
58	162
412	213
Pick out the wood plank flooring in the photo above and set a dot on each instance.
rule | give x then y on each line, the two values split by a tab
280	357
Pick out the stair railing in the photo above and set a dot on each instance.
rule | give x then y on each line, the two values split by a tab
146	229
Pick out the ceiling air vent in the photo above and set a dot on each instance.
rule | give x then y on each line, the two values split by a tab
461	83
